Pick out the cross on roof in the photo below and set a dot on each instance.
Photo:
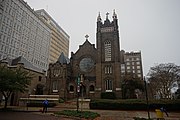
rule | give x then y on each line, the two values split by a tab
86	36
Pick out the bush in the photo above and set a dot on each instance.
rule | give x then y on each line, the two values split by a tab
134	104
108	95
61	100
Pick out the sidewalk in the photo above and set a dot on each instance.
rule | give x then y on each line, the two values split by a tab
104	114
124	115
116	114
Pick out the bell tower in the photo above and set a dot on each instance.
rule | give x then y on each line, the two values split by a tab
108	56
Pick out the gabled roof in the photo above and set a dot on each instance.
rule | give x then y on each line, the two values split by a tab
62	59
87	42
26	63
7	60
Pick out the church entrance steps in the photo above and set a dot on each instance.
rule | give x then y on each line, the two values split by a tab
42	97
38	98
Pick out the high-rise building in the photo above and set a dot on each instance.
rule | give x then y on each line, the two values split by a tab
131	64
23	34
59	38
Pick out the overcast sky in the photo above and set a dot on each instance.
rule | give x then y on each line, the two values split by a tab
149	26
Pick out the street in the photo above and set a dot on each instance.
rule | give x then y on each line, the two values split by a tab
29	116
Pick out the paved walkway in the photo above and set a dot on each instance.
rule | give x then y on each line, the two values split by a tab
116	114
104	114
29	116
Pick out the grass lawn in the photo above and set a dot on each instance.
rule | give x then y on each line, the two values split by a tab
74	113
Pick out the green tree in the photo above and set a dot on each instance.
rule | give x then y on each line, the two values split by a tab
161	78
130	84
177	93
13	80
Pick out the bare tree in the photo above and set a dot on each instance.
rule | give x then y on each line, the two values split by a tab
161	78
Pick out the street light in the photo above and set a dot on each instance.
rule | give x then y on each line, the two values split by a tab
82	90
28	102
78	90
146	97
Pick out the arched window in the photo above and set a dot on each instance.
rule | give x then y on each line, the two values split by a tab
91	88
71	88
108	69
107	50
108	85
55	86
39	89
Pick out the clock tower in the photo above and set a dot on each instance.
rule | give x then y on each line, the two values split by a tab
108	56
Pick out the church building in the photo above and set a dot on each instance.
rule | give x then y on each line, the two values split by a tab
93	70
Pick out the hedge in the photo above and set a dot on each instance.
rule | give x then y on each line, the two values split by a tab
80	114
108	95
134	104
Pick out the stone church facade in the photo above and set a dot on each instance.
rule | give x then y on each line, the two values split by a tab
92	70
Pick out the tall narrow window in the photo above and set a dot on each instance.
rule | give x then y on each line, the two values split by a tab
108	85
108	69
91	88
71	88
107	47
40	78
105	69
55	86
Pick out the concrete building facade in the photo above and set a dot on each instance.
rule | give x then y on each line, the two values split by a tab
23	34
59	41
131	64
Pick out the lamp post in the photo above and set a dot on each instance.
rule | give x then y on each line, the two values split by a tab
81	96
78	90
146	98
28	102
82	90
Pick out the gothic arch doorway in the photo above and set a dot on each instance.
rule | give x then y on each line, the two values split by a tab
83	91
39	89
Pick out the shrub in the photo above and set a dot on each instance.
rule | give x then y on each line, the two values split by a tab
108	95
134	104
61	100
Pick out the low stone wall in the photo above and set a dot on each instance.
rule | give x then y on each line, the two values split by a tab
84	103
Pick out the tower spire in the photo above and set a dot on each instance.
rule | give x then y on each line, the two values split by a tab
107	15
114	14
99	18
